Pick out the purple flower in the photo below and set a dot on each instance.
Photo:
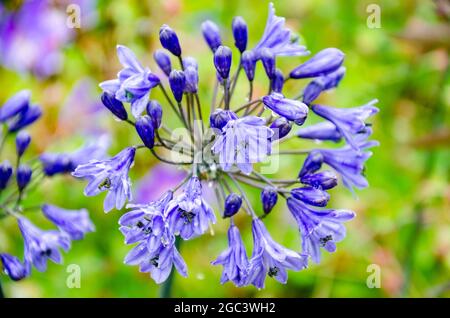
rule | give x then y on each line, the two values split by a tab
270	258
169	40
23	176
146	131
146	221
324	62
154	110
269	198
240	33
134	82
233	203
221	117
42	245
311	195
191	75
189	214
177	81
222	61
25	118
269	62
281	128
109	175
319	228
290	109
322	83
321	131
243	141
277	38
323	180
31	39
76	223
158	263
234	260
114	105
23	140
277	81
16	104
211	33
13	267
6	171
349	163
312	163
349	121
248	62
163	61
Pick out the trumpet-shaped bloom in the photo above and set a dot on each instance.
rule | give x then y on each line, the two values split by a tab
319	229
243	141
234	260
109	175
270	258
278	38
134	82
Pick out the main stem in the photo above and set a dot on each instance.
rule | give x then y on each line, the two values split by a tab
166	288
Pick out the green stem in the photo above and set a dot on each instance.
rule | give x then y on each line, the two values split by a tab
2	295
166	288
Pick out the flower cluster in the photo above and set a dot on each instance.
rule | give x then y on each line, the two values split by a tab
223	155
16	114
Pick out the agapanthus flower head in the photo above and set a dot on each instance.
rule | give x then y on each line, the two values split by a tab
109	175
222	61
13	267
23	140
290	109
189	215
278	38
16	104
243	141
169	40
163	61
349	121
240	33
324	62
234	259
248	62
75	223
241	134
319	228
134	82
270	258
6	171
211	33
42	245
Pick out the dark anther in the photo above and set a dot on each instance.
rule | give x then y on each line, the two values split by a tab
273	271
325	240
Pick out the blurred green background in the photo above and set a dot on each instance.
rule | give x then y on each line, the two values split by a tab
403	219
